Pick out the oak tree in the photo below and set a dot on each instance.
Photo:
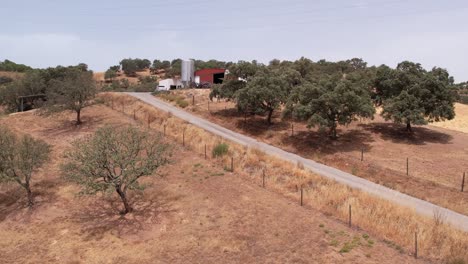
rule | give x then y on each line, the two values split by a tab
114	159
20	158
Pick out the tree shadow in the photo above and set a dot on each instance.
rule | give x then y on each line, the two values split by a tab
102	215
256	125
398	134
67	127
14	199
316	141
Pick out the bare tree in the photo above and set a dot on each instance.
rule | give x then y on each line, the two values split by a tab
114	159
20	157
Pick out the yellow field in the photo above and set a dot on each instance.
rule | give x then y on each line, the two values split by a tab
459	123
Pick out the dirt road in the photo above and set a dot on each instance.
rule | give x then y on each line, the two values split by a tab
423	207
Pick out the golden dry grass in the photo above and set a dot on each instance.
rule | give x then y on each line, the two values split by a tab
13	75
195	213
459	123
396	223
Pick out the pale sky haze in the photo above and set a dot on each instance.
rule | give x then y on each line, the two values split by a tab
100	33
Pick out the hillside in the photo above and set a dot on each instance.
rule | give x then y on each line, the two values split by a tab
99	76
13	75
197	212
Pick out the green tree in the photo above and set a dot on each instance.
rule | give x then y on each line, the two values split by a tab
264	93
244	69
157	64
331	102
129	66
73	93
31	84
227	90
20	158
115	68
10	66
411	95
110	74
114	159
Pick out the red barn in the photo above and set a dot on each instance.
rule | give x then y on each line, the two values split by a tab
212	76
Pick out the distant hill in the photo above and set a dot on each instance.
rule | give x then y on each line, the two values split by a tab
10	66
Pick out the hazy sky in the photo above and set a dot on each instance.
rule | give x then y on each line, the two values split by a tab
61	32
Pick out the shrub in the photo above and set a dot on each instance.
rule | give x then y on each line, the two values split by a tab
220	150
182	103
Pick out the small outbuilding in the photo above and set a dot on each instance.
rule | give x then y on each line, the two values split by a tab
169	84
212	76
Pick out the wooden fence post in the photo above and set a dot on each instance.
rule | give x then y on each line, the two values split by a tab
232	164
407	166
349	220
463	182
193	99
205	151
416	244
302	195
292	130
263	181
362	154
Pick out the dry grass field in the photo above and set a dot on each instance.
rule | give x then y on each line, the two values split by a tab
437	156
459	123
13	75
392	223
196	212
99	76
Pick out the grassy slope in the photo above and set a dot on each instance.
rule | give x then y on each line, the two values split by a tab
196	213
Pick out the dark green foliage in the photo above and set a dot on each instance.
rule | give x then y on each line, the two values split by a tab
211	64
114	159
10	66
244	69
31	84
20	158
73	92
264	93
5	80
129	66
411	95
220	150
110	74
227	90
330	102
115	68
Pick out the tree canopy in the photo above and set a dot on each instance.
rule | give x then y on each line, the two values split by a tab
20	158
114	159
264	93
10	66
411	95
73	92
330	102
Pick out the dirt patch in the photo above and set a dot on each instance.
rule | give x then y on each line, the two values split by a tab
194	212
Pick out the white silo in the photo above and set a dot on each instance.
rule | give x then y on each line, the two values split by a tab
188	72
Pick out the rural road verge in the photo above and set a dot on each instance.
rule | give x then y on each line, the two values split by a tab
420	206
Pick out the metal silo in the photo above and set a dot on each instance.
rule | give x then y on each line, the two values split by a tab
188	72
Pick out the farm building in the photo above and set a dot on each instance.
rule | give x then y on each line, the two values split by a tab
212	76
169	84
